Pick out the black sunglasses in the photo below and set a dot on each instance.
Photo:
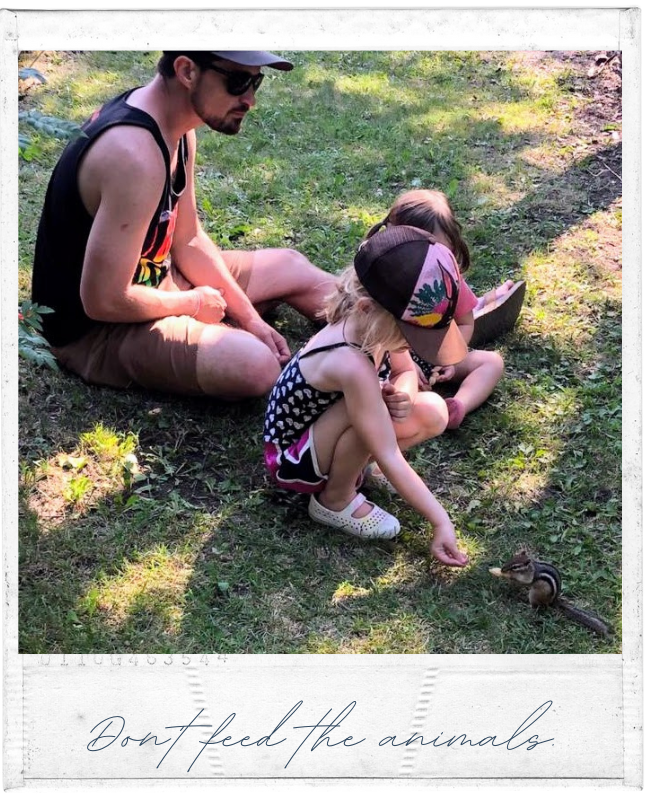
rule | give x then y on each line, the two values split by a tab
238	82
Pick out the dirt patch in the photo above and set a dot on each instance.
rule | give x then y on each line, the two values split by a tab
594	79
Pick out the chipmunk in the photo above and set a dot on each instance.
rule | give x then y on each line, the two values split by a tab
545	589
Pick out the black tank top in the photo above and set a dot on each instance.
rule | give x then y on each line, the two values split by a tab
65	226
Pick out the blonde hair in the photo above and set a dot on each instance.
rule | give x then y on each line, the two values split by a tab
430	211
380	329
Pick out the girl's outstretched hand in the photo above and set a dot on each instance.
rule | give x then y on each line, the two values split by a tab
444	548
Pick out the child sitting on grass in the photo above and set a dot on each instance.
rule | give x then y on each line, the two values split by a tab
480	371
329	414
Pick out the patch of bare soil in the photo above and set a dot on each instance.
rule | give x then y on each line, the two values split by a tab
595	79
592	150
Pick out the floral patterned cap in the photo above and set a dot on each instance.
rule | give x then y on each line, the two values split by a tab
416	279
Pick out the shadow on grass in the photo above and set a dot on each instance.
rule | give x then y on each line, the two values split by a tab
237	569
206	559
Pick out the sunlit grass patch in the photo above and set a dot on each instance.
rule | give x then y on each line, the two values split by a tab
537	73
147	523
375	85
404	572
546	156
401	634
492	192
595	248
525	117
146	593
569	306
71	482
346	591
107	444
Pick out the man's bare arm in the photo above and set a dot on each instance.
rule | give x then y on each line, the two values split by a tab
124	174
201	262
198	257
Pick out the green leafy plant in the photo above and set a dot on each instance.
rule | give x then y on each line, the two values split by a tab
131	472
32	346
77	488
54	127
50	126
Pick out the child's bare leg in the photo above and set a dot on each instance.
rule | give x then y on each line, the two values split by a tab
494	294
342	456
477	375
428	418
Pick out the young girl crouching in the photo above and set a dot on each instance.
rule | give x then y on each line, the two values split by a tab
351	393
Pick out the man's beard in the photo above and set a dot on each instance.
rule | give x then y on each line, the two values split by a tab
220	124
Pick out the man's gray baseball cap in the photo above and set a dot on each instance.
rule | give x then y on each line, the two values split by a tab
254	58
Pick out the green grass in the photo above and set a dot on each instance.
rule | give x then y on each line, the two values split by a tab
146	522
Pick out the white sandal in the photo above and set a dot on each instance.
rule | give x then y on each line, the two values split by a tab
377	523
374	478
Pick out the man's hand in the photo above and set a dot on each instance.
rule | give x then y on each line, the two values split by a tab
271	338
399	404
210	304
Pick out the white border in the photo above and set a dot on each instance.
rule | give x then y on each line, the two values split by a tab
417	28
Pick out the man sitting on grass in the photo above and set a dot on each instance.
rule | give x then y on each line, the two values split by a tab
141	295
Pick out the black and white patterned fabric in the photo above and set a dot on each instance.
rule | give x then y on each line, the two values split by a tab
294	404
425	366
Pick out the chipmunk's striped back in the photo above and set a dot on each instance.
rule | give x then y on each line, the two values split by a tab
550	576
522	569
545	588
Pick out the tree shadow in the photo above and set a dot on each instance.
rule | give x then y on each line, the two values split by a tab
287	579
279	574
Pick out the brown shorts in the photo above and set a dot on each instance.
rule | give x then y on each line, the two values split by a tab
157	355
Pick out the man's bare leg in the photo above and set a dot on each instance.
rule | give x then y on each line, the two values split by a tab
280	274
232	364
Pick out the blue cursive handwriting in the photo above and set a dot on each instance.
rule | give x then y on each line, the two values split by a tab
532	740
266	740
111	729
329	727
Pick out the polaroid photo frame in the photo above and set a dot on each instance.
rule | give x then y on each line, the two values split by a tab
99	720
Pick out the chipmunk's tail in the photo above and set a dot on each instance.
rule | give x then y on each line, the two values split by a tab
586	618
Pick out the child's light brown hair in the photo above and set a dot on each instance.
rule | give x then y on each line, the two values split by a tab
379	326
430	211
